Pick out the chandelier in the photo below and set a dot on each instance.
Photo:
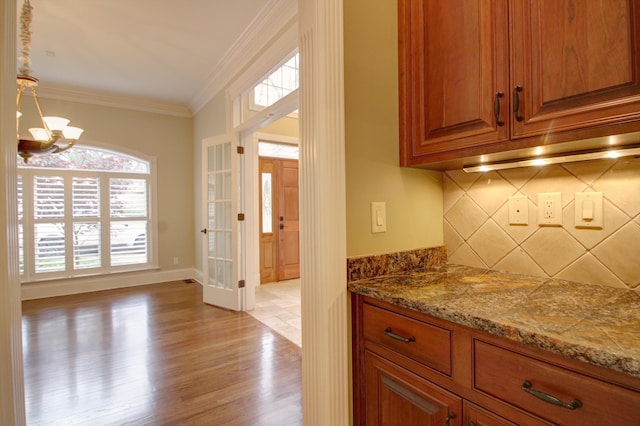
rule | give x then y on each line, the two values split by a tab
55	135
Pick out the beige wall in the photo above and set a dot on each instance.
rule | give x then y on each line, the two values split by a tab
286	126
477	232
168	139
413	197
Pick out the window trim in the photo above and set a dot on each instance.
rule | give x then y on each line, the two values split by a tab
28	219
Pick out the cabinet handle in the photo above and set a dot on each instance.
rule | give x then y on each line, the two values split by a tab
393	335
527	386
448	419
516	102
204	231
496	108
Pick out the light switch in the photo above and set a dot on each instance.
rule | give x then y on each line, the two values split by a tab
588	210
378	217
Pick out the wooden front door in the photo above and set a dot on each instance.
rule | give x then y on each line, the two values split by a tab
288	220
279	216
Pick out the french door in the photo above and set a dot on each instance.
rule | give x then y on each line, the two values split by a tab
222	237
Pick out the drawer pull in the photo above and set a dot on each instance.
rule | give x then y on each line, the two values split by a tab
448	419
496	108
516	102
393	335
527	386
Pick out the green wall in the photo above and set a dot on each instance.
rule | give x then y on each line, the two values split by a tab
413	197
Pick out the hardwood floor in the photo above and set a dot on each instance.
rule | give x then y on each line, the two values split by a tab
155	355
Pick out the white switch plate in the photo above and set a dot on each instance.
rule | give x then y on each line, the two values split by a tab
588	210
550	208
378	217
518	210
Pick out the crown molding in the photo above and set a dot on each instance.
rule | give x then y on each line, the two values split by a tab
96	97
263	29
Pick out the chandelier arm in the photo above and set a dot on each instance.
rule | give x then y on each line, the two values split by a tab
35	98
70	144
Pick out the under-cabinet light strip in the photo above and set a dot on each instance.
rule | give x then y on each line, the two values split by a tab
544	161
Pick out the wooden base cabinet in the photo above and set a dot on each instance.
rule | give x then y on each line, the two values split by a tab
413	369
399	397
476	416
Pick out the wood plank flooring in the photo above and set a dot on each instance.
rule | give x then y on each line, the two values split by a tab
155	355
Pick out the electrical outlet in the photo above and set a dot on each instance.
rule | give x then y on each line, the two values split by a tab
550	208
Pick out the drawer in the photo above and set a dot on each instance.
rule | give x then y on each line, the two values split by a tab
516	379
422	342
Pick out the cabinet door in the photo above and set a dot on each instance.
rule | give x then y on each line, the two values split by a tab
394	396
578	63
476	416
452	61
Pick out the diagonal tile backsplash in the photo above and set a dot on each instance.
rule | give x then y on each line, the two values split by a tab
477	230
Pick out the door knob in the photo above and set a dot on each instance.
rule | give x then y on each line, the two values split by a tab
282	226
281	218
204	231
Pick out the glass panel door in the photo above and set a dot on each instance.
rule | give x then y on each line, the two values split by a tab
220	247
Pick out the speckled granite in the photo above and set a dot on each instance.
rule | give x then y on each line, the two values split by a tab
595	324
395	263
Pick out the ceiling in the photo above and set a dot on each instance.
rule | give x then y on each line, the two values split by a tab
165	51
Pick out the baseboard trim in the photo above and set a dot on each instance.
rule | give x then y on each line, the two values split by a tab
102	282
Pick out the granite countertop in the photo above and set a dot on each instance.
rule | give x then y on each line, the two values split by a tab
595	324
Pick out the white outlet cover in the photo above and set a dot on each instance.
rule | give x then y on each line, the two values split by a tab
518	210
583	201
550	209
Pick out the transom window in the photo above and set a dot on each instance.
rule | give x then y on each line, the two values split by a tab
85	211
282	81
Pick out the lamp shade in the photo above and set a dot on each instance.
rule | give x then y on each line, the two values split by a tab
56	123
72	133
40	134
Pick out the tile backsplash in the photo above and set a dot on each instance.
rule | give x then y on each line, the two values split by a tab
477	230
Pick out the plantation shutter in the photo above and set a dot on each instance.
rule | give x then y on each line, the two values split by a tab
129	219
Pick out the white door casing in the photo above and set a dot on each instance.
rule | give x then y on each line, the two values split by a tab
223	228
12	407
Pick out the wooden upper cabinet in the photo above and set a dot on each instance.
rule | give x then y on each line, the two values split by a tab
571	67
453	61
577	61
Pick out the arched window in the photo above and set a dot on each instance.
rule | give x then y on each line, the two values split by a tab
86	211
